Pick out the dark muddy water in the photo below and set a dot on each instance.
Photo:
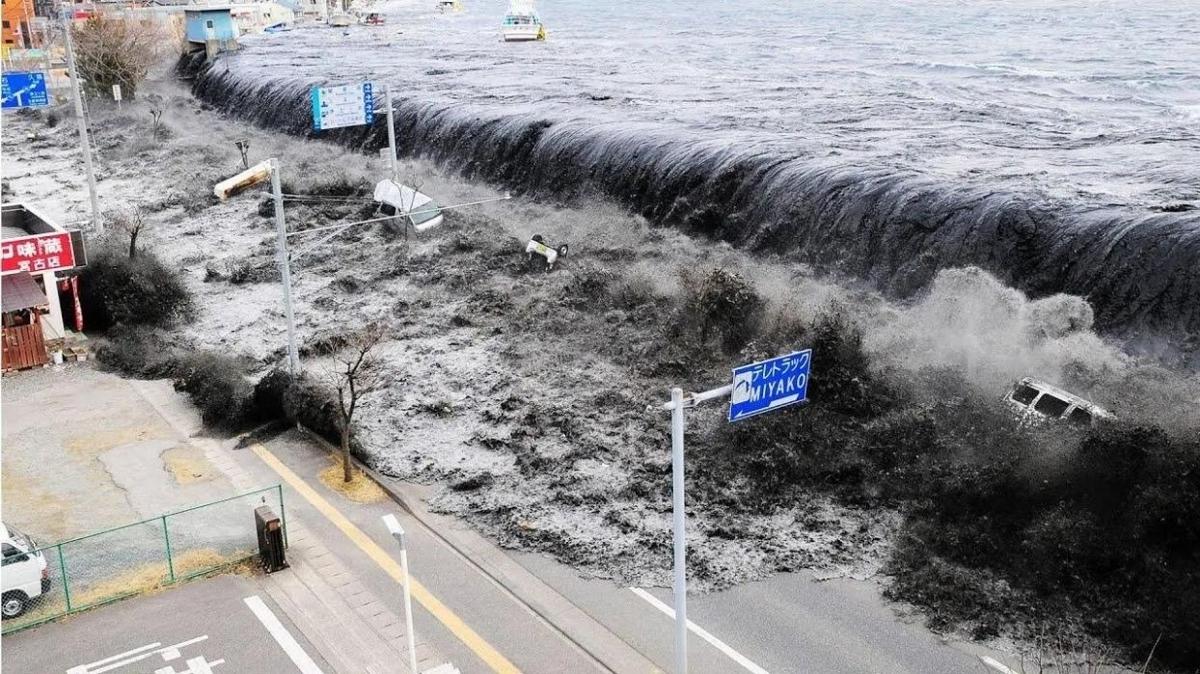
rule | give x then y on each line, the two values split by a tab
1056	144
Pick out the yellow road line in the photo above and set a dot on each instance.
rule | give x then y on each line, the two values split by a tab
424	597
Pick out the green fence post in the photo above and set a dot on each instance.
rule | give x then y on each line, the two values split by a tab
282	517
62	569
167	538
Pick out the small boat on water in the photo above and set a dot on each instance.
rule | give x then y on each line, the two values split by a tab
449	6
340	20
522	23
374	19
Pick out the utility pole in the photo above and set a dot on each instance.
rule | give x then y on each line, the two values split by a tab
97	223
391	124
285	268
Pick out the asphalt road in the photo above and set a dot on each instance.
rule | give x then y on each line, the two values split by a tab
512	629
200	627
788	623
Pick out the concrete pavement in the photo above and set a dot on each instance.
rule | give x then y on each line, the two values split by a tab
198	628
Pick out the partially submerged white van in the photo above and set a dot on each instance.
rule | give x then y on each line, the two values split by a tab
421	210
24	575
1035	399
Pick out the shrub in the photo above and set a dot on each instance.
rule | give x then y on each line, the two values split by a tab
142	353
116	50
117	290
217	385
304	401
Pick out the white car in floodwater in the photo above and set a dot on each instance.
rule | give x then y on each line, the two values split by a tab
1035	399
420	209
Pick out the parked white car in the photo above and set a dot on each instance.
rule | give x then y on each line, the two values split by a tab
24	575
1035	399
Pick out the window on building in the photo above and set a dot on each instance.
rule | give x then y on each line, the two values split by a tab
209	24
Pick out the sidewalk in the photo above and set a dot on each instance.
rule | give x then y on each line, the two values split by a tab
137	449
348	624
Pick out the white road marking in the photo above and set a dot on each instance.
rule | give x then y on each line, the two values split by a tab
83	669
701	632
114	662
284	638
996	664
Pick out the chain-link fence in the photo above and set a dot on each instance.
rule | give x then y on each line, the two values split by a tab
44	582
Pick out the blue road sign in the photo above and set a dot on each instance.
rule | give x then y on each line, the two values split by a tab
769	385
343	105
25	90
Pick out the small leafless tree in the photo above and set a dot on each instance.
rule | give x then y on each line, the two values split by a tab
358	373
116	50
156	105
131	223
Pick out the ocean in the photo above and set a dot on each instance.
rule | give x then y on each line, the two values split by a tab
1056	144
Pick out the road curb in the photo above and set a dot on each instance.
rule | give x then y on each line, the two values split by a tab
594	639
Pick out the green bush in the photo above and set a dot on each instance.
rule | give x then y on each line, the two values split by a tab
117	290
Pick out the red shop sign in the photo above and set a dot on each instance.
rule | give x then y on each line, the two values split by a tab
38	253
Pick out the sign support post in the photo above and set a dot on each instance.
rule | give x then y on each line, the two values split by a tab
285	268
677	527
83	130
758	387
391	124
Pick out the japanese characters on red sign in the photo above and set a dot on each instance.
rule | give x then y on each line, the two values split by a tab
37	253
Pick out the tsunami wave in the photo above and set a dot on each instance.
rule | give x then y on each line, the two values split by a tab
1139	269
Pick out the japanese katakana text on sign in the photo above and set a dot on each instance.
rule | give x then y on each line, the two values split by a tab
769	385
37	253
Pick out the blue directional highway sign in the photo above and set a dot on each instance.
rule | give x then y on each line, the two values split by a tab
25	90
769	385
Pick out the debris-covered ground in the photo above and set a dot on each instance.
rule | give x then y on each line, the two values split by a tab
529	394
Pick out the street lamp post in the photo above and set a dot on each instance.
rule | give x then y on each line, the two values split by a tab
397	532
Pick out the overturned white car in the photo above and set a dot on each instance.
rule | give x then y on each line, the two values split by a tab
421	211
1035	399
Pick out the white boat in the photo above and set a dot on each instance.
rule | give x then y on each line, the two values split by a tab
449	6
522	23
340	20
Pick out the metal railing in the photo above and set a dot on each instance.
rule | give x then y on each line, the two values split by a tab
81	573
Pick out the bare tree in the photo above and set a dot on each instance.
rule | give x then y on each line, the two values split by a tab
131	223
156	105
358	373
116	50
